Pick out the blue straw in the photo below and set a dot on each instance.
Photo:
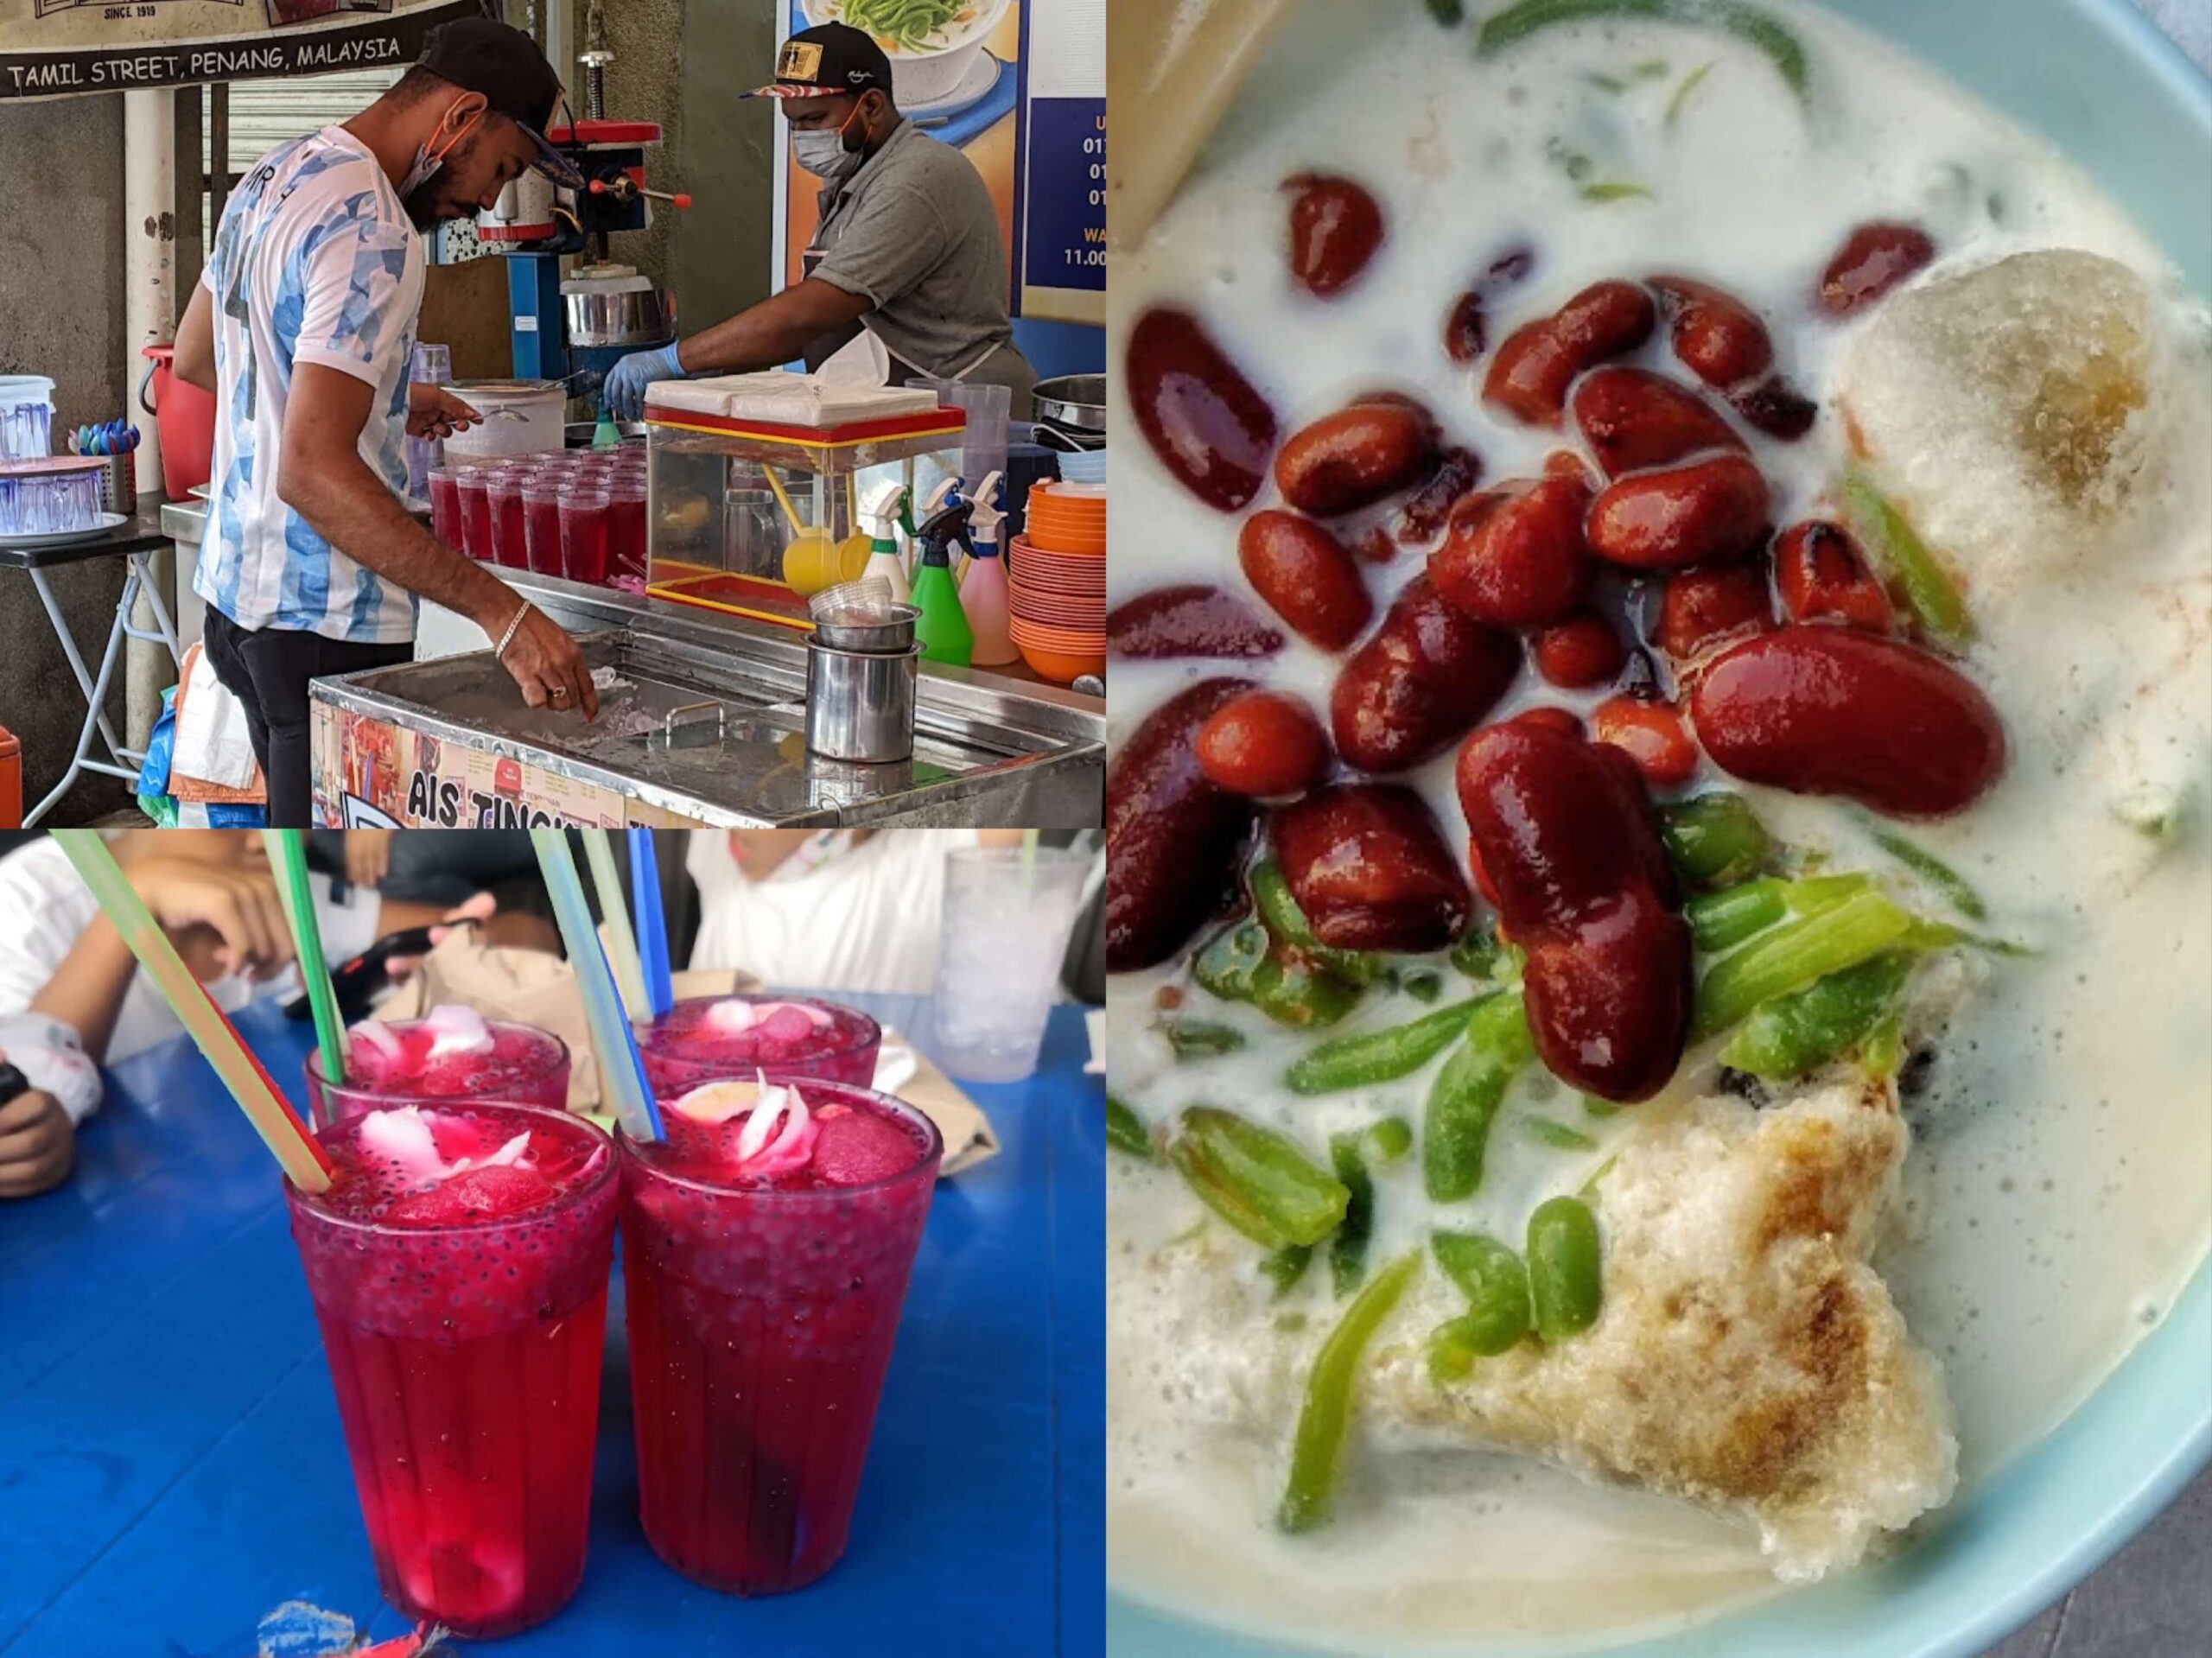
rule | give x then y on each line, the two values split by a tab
653	926
619	1062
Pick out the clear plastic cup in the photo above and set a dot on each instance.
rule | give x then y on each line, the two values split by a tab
1008	914
625	528
541	506
760	1323
698	1041
583	510
473	486
526	1066
510	528
445	505
465	1356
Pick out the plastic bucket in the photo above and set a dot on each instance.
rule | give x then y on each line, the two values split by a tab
185	417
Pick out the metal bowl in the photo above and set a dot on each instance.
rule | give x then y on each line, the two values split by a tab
879	637
1077	400
644	317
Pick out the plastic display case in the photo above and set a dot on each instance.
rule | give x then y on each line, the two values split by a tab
752	519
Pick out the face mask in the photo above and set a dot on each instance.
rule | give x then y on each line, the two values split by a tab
824	155
427	161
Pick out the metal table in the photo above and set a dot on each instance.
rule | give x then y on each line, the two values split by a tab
173	1469
134	542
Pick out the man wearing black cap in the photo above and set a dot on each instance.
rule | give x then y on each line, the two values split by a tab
303	328
908	247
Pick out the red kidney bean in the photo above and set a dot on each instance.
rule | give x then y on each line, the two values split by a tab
1833	711
1551	715
1335	227
1200	415
1420	685
1188	621
1695	514
1466	325
1823	579
1564	832
1583	650
1874	258
1715	335
1306	575
1777	408
1632	418
1705	609
1173	838
1532	370
1514	557
1263	743
1651	733
1369	868
1422	518
1355	457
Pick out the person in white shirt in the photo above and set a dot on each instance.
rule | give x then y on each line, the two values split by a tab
828	909
303	327
72	995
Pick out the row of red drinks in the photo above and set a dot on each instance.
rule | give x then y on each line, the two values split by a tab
579	514
459	1262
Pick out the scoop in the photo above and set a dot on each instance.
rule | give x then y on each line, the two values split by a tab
810	557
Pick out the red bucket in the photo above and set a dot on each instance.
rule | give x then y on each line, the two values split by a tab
185	417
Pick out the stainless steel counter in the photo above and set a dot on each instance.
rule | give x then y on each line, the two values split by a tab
991	750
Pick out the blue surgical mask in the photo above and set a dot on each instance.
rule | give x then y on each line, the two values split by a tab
426	164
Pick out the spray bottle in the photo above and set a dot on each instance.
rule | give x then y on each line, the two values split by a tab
879	511
983	588
942	626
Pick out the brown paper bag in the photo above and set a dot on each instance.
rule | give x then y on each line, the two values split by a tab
531	987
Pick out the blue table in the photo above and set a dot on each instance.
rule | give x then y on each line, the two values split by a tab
171	1467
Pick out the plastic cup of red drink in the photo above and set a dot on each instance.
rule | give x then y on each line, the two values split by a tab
626	526
463	1324
445	505
474	488
541	505
708	1038
404	1064
583	508
510	528
761	1313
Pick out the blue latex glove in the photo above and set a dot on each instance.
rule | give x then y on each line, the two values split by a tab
625	391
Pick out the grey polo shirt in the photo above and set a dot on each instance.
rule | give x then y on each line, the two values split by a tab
914	233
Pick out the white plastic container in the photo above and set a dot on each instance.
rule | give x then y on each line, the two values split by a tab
542	405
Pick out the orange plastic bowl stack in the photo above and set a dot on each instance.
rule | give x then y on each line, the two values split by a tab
1056	584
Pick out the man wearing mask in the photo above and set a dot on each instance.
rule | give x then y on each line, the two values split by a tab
908	247
303	328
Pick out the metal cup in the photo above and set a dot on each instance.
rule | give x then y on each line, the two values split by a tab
859	704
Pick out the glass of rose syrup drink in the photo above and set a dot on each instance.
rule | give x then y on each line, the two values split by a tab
767	1245
458	1264
708	1039
450	1053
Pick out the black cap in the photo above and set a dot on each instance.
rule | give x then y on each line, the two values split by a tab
828	60
504	65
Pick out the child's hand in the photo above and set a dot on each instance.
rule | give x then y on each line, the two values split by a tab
239	904
38	1145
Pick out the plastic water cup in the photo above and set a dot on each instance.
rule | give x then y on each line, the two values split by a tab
473	486
445	505
541	506
1008	914
583	512
625	529
510	530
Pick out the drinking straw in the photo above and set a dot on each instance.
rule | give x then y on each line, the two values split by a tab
782	500
1029	861
273	1119
618	1061
288	855
653	926
621	947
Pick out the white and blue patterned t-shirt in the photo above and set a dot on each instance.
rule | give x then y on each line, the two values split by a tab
315	262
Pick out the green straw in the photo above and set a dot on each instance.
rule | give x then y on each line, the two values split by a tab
621	942
288	855
274	1119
